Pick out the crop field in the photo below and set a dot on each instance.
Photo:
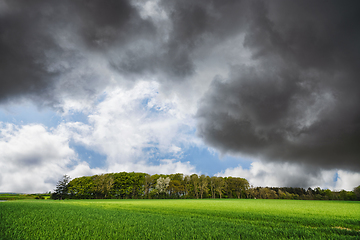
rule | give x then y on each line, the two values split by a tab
23	196
179	219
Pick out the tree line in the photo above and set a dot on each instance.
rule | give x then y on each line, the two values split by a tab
133	185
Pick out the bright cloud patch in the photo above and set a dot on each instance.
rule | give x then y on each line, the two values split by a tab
347	180
134	126
32	158
165	166
286	174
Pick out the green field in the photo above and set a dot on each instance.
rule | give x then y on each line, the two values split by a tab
23	196
179	219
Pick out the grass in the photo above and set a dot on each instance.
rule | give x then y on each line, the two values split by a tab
179	219
18	196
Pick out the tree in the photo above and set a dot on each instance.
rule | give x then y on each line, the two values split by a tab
357	192
61	190
82	187
203	185
137	184
103	184
162	184
237	186
212	185
176	188
187	186
219	185
195	184
281	194
147	185
328	194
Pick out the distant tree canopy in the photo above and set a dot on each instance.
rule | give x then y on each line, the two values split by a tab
133	185
357	192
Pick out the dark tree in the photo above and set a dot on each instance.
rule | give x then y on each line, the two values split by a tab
61	190
357	192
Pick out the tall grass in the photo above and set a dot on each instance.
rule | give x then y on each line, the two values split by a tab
179	219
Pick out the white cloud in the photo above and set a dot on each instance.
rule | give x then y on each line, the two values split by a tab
165	166
347	180
131	126
286	174
32	158
83	169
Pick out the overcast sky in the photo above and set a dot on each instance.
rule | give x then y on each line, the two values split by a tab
265	90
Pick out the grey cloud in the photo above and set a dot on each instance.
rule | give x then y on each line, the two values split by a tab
48	46
198	23
190	26
300	103
103	24
29	161
22	50
284	174
278	117
44	45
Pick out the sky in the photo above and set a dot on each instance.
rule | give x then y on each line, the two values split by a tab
264	90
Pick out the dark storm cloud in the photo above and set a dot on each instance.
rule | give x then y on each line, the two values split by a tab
103	24
189	25
43	42
22	45
48	47
301	100
195	23
298	100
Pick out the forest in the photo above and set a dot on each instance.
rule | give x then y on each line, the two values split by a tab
134	185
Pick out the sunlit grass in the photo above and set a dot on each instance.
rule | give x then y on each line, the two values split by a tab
18	196
179	219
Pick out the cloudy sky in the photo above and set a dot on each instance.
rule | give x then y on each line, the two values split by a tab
265	90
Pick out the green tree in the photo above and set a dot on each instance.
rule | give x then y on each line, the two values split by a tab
237	186
327	193
195	185
187	186
219	185
137	180
128	185
61	190
251	193
212	186
103	184
81	188
203	185
357	192
122	186
281	194
177	176
176	188
147	185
